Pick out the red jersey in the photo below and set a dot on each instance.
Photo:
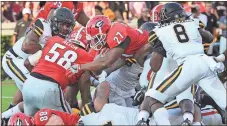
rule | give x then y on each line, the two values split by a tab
118	33
57	56
43	115
44	11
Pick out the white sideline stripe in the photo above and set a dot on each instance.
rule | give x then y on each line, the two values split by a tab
6	97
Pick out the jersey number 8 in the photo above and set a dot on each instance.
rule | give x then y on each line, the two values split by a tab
43	116
68	58
181	33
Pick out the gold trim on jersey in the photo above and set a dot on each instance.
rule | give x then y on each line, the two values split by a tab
173	105
169	80
38	30
193	90
151	81
87	109
201	25
152	37
16	71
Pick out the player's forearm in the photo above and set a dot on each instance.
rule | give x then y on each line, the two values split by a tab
103	62
14	39
31	47
156	61
116	65
141	54
97	65
83	18
84	86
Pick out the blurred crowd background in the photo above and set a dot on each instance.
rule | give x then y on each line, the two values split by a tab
212	14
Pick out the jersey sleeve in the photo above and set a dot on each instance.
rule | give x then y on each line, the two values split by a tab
117	35
38	27
152	38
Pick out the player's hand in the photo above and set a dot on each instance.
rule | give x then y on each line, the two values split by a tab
142	123
139	96
72	70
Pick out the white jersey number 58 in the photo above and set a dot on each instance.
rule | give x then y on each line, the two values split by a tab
65	61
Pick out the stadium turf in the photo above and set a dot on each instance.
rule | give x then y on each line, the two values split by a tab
8	89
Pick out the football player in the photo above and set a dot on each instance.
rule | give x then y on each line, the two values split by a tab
98	112
119	37
41	28
49	74
75	6
14	60
53	117
185	48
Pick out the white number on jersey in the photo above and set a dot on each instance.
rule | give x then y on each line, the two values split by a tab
181	33
65	61
59	4
43	116
116	38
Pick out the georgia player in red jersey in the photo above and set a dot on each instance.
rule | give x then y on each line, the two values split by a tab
54	117
75	6
48	75
119	37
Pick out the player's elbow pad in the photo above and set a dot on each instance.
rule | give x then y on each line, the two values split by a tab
33	59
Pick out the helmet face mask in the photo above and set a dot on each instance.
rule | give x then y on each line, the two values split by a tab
98	41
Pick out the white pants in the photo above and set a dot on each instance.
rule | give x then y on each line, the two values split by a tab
39	94
15	68
195	70
209	116
120	97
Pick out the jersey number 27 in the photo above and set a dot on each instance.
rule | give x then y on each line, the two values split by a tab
68	58
181	33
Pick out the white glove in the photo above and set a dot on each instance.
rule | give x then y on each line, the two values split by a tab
102	76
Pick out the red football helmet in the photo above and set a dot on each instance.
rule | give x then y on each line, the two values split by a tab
97	29
20	119
155	13
78	36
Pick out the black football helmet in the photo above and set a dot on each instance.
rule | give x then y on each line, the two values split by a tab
62	22
171	12
148	26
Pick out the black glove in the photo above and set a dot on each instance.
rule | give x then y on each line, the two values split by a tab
139	96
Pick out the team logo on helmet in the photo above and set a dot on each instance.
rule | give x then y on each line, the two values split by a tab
99	24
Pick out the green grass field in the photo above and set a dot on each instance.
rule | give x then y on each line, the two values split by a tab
8	90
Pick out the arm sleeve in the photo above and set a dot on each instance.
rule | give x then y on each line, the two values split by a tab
37	27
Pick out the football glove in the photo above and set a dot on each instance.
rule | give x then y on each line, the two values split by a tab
139	96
